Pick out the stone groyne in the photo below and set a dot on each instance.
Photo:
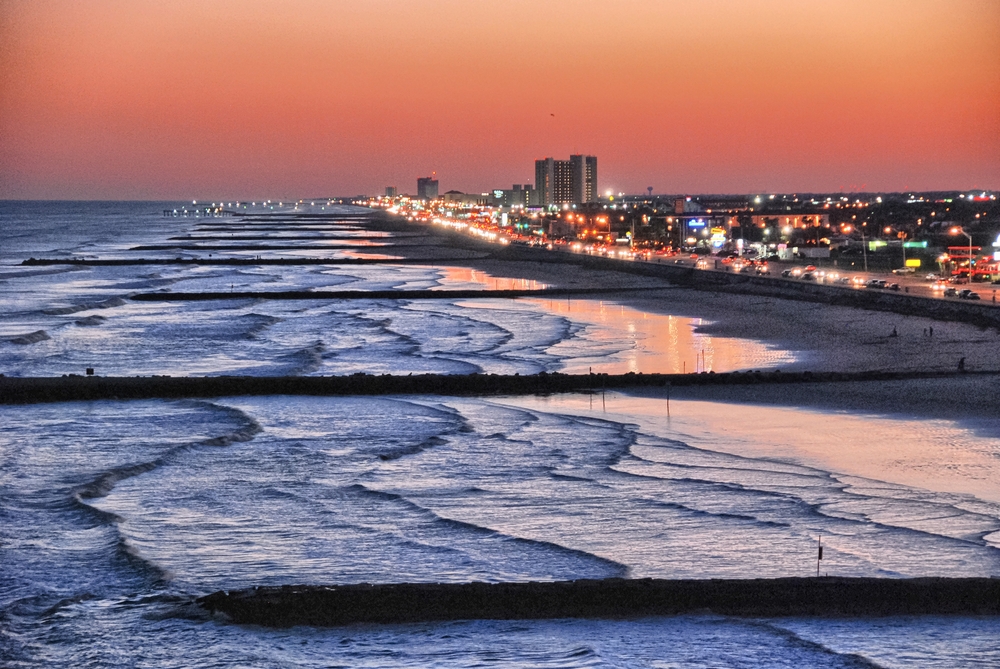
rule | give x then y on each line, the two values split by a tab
17	390
287	606
377	294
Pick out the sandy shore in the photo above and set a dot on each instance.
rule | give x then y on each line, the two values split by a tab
824	337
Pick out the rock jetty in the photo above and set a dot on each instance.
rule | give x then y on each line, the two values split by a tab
286	606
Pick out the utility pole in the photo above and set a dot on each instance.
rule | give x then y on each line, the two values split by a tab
864	249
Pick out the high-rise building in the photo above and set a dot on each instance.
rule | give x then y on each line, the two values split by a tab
427	188
390	191
566	181
584	178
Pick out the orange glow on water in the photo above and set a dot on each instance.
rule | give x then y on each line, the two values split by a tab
657	343
937	455
453	278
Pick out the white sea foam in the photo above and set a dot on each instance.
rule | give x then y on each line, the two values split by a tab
115	514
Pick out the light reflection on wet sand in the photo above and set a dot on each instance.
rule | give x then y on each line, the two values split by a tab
938	455
460	277
655	343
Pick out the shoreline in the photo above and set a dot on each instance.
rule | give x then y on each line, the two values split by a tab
825	337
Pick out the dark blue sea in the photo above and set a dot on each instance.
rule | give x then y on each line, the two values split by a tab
116	515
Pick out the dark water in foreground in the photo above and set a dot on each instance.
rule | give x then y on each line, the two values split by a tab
114	515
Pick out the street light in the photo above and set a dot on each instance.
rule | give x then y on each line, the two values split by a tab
959	230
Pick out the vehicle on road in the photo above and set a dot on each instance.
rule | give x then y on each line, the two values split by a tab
950	292
875	283
905	270
968	295
892	286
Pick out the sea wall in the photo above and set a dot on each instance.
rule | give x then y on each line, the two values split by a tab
286	606
18	390
392	294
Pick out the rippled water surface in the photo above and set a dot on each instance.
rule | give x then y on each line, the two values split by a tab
114	515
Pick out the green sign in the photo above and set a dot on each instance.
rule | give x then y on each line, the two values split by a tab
915	245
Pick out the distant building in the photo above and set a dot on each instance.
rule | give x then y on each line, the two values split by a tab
427	188
517	196
471	199
583	178
390	191
566	181
799	220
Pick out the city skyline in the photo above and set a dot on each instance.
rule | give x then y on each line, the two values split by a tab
227	100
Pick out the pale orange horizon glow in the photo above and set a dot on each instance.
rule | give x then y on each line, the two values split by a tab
133	99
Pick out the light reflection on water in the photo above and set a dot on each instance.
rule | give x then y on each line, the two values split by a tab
653	343
467	277
936	455
447	488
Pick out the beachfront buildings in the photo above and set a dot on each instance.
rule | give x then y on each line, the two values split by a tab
519	196
427	188
572	181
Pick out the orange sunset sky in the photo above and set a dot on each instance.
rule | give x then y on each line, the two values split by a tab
143	99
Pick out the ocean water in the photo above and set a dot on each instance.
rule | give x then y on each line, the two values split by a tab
115	515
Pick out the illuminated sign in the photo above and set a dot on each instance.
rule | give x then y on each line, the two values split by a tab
920	245
697	223
913	262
